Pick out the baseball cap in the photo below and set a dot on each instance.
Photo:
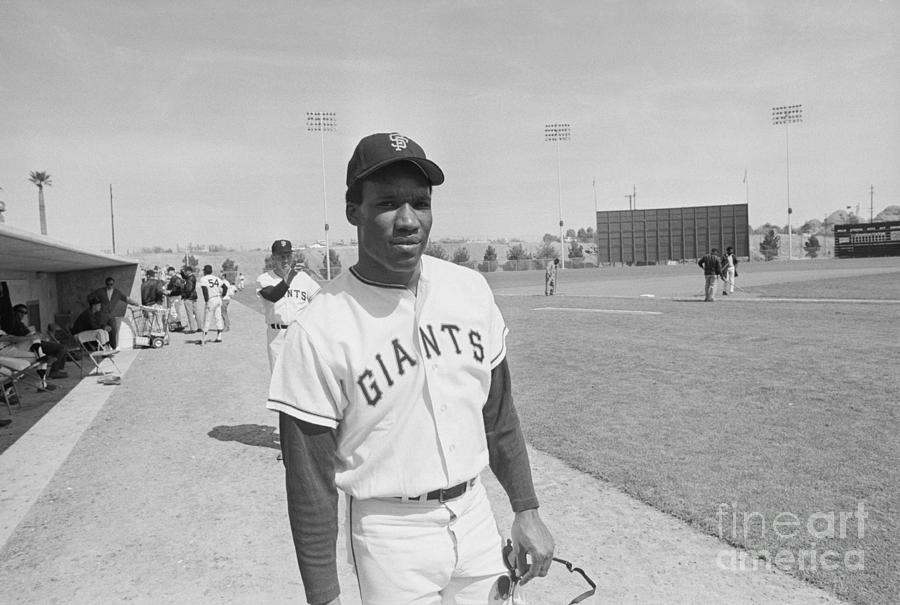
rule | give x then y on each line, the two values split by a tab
281	246
381	149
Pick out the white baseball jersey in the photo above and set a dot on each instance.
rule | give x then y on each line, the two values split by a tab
213	285
300	291
402	375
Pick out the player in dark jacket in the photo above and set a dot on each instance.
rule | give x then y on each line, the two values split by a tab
712	270
189	298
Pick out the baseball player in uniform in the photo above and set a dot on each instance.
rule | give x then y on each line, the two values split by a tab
285	290
550	275
393	387
227	293
212	289
730	265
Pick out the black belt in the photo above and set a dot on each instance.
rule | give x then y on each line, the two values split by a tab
444	494
278	326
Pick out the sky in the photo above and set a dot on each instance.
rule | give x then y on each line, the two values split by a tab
195	111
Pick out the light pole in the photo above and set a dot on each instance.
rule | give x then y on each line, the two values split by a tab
557	133
788	114
319	121
595	224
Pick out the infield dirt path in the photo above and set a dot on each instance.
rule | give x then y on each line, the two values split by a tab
173	494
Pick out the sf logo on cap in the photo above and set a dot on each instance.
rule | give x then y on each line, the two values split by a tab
283	243
398	141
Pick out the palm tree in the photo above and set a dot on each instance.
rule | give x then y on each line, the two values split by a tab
40	179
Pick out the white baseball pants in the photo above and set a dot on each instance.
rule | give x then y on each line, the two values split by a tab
213	310
426	553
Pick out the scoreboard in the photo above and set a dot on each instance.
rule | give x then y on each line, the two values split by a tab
869	239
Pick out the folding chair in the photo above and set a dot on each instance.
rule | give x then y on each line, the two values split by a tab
62	336
9	390
93	348
12	371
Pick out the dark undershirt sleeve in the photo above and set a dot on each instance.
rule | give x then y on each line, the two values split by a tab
274	293
308	453
205	293
506	443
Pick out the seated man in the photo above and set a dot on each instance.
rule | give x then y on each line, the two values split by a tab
18	353
93	319
54	350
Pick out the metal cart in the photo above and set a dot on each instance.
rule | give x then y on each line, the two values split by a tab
151	328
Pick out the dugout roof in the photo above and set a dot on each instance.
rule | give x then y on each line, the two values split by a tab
25	251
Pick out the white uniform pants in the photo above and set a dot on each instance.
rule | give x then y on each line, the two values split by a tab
426	553
213	310
729	280
276	343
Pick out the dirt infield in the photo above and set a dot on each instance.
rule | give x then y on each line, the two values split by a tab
173	494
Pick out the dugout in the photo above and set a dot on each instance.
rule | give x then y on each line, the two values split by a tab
865	240
659	235
53	278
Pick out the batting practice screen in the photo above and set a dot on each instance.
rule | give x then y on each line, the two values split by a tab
671	234
870	239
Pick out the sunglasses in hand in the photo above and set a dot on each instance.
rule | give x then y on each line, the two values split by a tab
507	584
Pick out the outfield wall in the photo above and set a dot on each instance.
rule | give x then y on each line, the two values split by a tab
671	234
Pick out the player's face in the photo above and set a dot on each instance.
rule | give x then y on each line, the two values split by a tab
284	261
393	223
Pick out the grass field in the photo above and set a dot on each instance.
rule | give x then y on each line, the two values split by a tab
766	424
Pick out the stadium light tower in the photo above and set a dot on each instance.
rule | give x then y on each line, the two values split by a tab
557	133
787	115
319	121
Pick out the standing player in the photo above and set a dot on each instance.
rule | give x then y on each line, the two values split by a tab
189	300
730	262
212	289
394	387
227	292
285	290
712	270
550	275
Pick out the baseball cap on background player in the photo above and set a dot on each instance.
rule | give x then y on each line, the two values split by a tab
384	148
282	246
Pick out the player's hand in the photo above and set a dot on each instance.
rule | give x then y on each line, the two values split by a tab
531	539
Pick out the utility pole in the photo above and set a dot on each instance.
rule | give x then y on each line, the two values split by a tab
871	203
112	219
596	230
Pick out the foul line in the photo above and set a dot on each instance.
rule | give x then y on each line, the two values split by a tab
622	311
